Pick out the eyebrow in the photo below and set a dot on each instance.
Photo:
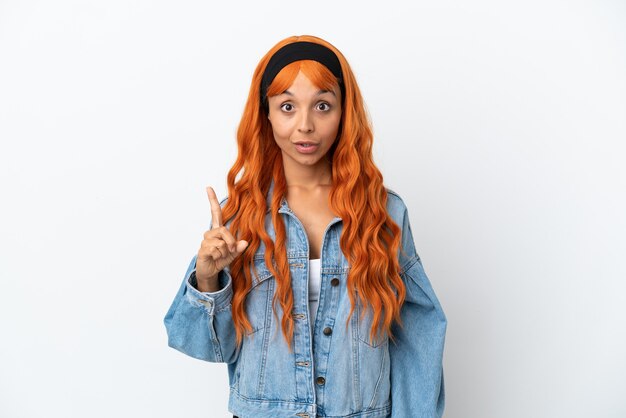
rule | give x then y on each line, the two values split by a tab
319	93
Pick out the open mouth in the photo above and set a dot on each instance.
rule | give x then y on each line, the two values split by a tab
306	147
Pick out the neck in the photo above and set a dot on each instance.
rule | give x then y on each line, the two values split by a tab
308	177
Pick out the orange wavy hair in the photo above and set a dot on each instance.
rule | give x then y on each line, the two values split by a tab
370	238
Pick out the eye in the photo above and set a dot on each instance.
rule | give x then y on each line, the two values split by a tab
323	106
286	107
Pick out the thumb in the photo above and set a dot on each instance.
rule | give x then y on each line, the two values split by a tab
241	246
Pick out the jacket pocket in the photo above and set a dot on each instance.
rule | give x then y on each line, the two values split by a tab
259	298
365	324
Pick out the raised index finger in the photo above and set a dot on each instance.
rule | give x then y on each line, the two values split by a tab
216	210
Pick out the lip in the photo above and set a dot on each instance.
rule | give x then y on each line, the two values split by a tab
306	147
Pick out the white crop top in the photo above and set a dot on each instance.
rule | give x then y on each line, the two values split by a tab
315	283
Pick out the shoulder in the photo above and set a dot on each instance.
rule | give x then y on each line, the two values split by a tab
399	213
396	207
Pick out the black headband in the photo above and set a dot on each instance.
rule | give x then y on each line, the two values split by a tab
298	51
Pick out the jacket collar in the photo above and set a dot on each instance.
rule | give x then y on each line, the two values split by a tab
284	207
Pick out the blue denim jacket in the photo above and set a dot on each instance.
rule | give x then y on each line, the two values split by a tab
335	370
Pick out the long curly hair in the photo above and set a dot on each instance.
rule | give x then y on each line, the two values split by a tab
370	239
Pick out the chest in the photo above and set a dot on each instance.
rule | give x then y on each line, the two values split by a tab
315	215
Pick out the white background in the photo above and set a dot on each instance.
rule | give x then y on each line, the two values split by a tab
502	125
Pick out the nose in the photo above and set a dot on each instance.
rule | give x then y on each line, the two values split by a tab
305	124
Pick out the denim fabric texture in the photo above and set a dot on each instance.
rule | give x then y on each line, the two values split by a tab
336	370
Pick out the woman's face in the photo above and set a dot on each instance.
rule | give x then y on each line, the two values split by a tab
305	121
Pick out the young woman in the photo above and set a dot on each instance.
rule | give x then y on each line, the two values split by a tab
308	283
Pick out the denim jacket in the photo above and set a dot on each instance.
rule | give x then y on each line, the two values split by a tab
335	370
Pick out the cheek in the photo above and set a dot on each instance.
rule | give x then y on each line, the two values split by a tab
332	128
280	129
280	133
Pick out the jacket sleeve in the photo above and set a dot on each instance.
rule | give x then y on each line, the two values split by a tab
416	355
200	324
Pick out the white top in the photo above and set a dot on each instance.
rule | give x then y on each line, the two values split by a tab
315	282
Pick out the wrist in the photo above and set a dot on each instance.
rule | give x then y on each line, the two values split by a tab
210	284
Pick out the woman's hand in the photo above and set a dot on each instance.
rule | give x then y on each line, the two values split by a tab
218	249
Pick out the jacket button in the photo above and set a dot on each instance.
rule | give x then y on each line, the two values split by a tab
334	282
320	381
328	331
